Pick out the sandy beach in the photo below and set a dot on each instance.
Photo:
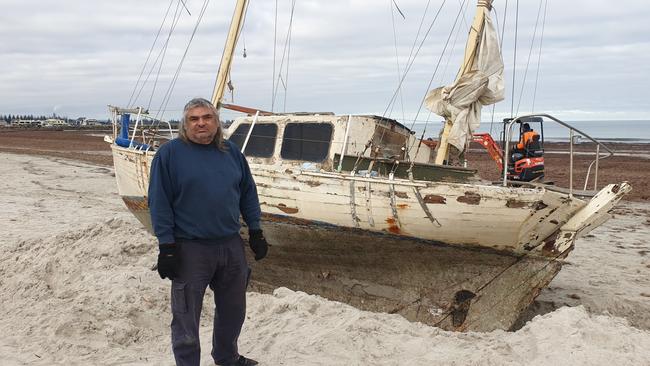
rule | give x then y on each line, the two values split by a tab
77	287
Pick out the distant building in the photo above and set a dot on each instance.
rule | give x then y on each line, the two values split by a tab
54	122
89	122
25	123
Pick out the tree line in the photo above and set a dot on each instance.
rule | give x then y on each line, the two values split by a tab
10	117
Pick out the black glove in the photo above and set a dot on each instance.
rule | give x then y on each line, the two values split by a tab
168	261
258	244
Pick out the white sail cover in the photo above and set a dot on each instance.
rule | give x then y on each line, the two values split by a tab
461	102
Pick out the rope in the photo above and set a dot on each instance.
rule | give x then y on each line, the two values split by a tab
511	292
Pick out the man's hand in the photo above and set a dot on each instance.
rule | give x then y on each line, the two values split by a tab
168	261
258	244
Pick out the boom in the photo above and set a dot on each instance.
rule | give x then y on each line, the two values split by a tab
486	140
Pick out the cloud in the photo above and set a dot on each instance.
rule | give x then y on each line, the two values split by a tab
84	55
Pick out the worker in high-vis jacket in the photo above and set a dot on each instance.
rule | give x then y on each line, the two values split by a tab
200	185
527	137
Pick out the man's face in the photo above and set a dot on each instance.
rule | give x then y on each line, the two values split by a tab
201	125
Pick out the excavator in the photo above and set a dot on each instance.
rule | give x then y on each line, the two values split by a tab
525	161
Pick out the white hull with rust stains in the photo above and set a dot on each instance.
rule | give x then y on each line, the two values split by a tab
515	220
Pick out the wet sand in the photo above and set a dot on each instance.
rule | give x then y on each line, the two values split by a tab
77	287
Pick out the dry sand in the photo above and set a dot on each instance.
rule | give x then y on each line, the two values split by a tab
77	289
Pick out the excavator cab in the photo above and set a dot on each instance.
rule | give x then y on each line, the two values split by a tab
525	160
526	157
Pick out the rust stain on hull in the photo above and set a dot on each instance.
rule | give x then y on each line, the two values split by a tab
392	225
435	199
282	207
470	198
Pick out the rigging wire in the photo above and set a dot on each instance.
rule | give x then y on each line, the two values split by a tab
409	63
399	71
399	10
275	46
503	28
458	16
286	75
435	71
185	6
453	45
172	84
240	32
284	52
530	53
153	45
539	56
428	118
177	16
412	59
514	62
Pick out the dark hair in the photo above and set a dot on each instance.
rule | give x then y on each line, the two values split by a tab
526	127
218	140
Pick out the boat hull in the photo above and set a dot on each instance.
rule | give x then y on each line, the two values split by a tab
458	256
452	288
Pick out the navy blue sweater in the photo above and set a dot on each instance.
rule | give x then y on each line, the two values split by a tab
198	192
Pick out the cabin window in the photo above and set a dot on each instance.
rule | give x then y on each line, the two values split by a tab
262	141
306	141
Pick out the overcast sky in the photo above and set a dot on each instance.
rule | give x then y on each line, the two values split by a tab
74	57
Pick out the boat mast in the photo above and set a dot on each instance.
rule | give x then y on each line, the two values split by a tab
228	51
483	8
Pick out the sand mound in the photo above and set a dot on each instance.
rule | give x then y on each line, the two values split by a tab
294	328
88	296
83	290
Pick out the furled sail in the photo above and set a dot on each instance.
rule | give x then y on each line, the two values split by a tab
481	84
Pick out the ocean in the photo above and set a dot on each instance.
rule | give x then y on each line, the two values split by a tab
626	131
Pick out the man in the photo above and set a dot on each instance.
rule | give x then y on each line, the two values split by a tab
527	137
199	186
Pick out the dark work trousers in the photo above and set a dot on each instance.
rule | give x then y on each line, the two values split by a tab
221	265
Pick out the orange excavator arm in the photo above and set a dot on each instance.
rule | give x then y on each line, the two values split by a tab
491	146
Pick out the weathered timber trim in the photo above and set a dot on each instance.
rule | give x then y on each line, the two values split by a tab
371	221
353	206
393	205
425	208
364	179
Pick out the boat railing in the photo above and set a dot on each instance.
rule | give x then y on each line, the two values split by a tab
573	133
142	120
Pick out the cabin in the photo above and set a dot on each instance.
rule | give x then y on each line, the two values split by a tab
363	144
